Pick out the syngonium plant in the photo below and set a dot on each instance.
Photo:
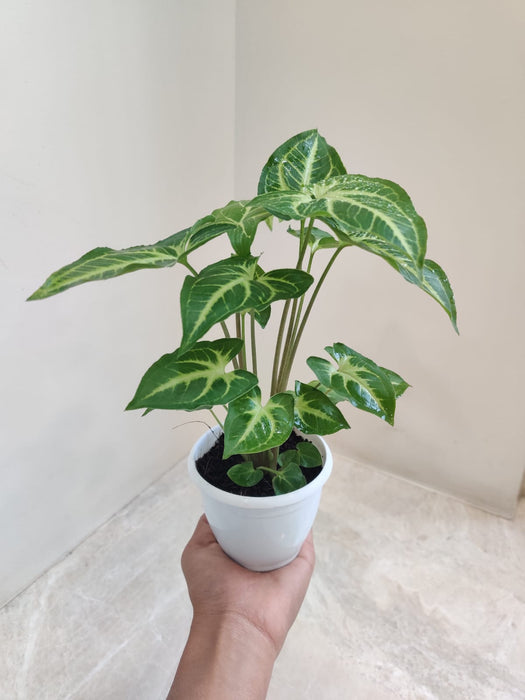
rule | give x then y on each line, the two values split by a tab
304	182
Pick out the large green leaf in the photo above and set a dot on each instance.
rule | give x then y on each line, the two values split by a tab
251	427
359	380
194	379
374	214
300	161
233	286
105	263
315	413
239	219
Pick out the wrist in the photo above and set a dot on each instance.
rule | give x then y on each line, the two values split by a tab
226	656
237	630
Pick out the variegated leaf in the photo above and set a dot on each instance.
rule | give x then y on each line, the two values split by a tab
105	263
374	214
239	219
299	162
357	379
251	427
194	379
233	286
315	413
435	283
320	239
399	385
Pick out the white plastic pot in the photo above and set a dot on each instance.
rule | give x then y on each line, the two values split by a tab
260	533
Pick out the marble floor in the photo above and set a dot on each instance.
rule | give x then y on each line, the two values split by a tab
415	596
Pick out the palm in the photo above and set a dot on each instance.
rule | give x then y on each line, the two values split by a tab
218	586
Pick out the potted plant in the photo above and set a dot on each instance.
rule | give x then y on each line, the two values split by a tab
305	187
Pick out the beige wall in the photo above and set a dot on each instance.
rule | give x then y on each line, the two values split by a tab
116	124
430	95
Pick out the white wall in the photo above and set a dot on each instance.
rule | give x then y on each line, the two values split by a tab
116	125
429	95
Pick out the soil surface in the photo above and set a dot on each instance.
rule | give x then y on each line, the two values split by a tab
213	468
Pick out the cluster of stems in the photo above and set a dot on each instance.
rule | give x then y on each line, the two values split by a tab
293	321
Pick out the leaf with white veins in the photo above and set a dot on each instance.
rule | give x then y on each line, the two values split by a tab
251	427
299	162
359	380
194	379
234	285
315	413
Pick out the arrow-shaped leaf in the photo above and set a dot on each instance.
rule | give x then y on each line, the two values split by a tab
315	413
374	214
309	455
251	427
194	379
358	379
299	162
105	263
244	474
233	286
289	479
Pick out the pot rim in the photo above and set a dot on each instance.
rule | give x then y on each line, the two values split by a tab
259	502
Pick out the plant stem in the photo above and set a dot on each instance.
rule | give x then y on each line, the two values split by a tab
279	361
241	331
304	242
253	343
288	344
286	367
278	345
216	418
188	267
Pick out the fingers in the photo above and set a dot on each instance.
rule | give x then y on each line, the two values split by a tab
202	535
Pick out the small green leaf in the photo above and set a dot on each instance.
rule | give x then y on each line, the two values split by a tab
289	457
194	379
358	379
289	479
316	413
262	316
239	219
320	239
251	427
244	474
299	162
309	455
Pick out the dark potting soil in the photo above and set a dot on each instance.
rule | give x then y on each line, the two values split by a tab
212	467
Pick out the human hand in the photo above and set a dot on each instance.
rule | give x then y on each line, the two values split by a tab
219	588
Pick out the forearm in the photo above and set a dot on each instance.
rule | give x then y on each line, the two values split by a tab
225	657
